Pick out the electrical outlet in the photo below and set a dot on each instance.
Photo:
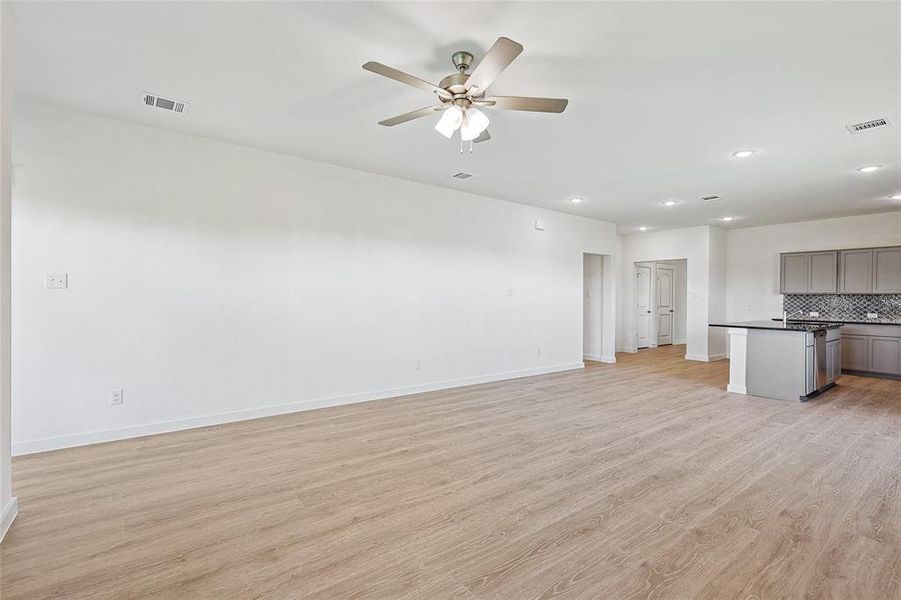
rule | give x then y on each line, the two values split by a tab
872	315
418	365
56	281
814	314
538	353
116	397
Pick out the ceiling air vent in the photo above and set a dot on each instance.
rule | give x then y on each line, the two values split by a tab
709	198
155	101
462	175
856	128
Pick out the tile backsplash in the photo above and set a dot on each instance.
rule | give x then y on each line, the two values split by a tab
846	307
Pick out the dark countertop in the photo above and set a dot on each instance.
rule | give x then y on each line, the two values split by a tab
778	326
839	322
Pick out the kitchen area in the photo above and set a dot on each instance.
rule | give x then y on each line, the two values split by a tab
841	314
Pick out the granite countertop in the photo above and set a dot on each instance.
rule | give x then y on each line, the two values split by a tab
777	325
844	322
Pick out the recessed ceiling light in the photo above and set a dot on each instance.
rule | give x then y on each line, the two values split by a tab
670	202
743	153
642	228
895	197
727	219
869	168
575	200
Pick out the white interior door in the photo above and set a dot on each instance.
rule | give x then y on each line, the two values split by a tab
665	305
643	305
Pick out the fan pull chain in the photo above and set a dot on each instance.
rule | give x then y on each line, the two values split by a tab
470	146
461	144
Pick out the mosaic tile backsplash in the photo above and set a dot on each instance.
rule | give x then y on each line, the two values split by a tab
846	307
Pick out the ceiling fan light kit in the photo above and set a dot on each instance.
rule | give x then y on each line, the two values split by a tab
459	94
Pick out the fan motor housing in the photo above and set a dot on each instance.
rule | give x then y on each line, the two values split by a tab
454	83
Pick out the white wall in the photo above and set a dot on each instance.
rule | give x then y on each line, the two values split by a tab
8	506
716	309
214	282
593	307
693	245
753	256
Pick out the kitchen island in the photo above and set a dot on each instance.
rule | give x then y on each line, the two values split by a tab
786	361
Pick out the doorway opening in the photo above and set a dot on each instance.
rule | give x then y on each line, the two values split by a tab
661	302
595	301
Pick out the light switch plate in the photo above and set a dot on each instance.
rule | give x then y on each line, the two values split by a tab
56	281
539	225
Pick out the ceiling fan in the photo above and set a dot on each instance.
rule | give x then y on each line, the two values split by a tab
460	94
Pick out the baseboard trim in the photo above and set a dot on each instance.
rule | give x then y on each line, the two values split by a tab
737	389
123	433
679	342
705	357
592	357
611	360
8	516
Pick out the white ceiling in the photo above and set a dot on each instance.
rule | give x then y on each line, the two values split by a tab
660	94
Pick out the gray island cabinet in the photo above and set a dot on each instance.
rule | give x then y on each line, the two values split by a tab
791	361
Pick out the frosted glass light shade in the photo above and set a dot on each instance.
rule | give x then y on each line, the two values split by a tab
474	123
450	121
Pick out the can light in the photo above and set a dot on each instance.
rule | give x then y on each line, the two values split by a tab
869	168
575	200
743	153
895	197
642	228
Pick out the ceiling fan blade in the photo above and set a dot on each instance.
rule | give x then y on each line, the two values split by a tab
483	137
549	105
495	60
414	114
392	73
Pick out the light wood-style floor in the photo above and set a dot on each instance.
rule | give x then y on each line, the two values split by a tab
636	480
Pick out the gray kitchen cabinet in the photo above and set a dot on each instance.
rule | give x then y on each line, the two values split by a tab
794	277
855	272
855	352
885	355
822	267
887	271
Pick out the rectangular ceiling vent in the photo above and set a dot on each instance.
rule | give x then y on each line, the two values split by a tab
709	198
156	101
462	175
856	128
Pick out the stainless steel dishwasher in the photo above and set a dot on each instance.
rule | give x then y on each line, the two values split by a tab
819	348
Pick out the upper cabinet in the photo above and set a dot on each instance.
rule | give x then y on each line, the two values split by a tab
823	266
808	273
887	270
860	271
855	271
795	273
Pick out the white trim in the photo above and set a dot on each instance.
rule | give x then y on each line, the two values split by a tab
679	342
706	358
8	516
629	349
592	357
109	435
610	360
737	389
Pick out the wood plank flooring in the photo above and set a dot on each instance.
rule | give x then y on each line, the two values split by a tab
642	479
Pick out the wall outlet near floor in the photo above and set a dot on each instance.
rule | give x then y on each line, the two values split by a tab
56	281
116	397
418	365
814	314
872	315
